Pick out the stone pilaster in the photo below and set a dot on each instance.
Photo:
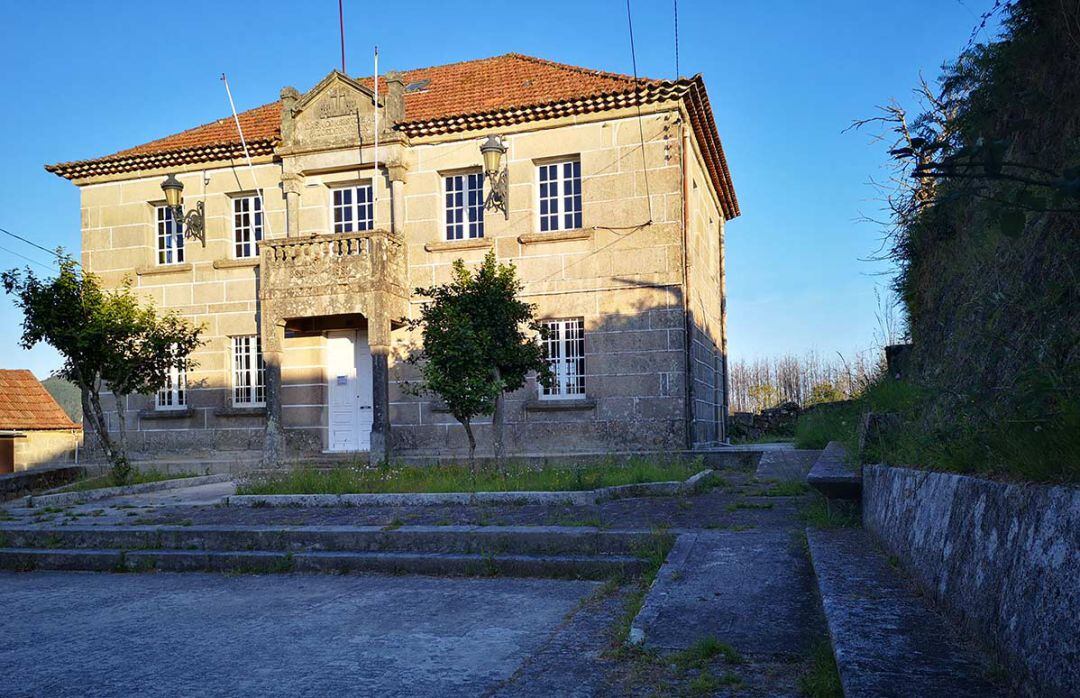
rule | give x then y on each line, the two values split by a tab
291	185
273	337
397	170
379	341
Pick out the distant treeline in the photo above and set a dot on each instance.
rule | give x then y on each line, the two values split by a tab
806	380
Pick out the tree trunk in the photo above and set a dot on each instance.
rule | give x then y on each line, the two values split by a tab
121	419
91	404
115	451
497	424
472	445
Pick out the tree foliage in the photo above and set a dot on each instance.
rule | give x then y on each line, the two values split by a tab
479	341
106	338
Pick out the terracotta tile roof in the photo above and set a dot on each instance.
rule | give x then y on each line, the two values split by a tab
482	93
26	404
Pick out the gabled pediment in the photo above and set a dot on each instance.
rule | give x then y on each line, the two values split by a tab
337	92
339	112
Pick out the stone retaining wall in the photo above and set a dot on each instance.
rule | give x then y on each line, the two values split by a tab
1004	558
17	484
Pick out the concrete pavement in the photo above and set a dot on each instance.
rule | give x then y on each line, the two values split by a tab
87	634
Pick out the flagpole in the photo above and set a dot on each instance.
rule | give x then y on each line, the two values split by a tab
341	26
375	183
251	167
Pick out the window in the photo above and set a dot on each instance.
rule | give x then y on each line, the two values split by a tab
247	226
565	345
464	205
173	396
170	237
560	195
352	209
249	381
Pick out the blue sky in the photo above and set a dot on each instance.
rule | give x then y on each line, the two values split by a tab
785	77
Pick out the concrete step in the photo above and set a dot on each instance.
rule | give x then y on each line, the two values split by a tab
834	475
477	540
261	561
752	589
887	639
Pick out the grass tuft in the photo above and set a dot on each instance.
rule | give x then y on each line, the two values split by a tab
836	513
704	650
823	679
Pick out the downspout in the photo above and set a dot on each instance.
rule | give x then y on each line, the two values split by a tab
688	325
723	332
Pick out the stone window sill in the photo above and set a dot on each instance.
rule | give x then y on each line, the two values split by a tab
167	414
556	236
240	411
163	269
236	263
463	244
537	405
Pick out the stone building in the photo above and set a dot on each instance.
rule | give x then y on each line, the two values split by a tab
616	198
34	430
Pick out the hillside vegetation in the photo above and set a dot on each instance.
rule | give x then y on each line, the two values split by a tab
986	235
67	394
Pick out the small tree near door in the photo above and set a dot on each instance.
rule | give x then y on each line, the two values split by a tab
479	342
107	338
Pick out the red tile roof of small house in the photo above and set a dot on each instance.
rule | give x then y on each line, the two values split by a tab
26	405
484	93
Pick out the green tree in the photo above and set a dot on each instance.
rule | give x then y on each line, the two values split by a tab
107	338
764	396
479	342
825	391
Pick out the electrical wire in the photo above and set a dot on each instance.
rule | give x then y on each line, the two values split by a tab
641	129
29	259
54	253
676	39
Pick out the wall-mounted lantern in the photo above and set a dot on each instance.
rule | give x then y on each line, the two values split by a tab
194	223
498	179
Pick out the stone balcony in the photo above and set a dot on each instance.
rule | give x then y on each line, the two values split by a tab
361	272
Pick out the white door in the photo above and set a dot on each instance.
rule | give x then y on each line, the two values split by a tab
349	369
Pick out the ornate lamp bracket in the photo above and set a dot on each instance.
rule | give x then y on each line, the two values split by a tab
194	222
498	197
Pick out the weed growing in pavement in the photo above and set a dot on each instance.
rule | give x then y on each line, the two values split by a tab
835	513
735	506
823	679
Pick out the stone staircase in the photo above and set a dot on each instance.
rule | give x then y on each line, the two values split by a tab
532	551
887	639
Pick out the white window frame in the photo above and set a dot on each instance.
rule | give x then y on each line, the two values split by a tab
248	217
354	207
564	209
174	395
565	351
248	371
167	229
464	220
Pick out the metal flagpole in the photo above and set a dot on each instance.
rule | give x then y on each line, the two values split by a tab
251	167
375	178
341	26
